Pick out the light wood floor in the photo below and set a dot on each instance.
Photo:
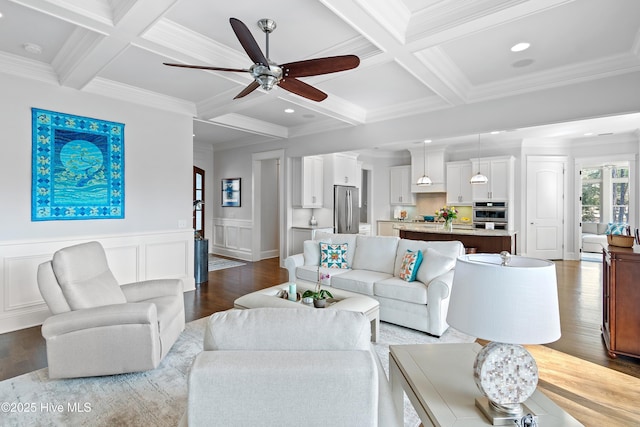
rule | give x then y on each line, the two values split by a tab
579	289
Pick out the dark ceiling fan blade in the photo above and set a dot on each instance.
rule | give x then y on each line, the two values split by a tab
314	67
301	88
247	90
206	67
248	42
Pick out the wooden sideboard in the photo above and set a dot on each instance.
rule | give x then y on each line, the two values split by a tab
621	300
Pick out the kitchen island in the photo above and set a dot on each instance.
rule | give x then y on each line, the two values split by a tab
483	241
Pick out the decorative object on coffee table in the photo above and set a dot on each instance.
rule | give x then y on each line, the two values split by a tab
319	295
508	300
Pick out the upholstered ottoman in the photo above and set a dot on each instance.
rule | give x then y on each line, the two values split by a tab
342	300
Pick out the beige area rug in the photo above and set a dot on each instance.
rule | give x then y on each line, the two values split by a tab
217	263
154	398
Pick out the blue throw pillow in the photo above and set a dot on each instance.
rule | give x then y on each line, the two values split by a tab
410	263
333	255
616	228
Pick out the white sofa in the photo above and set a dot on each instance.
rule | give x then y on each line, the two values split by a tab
288	367
593	236
374	263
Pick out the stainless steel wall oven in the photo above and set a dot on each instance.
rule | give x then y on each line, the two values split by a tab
496	213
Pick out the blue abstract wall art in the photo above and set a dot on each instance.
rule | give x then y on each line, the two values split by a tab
77	167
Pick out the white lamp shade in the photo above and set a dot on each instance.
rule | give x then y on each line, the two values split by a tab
479	179
424	180
514	304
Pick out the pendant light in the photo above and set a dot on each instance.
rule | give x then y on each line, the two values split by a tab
479	178
424	180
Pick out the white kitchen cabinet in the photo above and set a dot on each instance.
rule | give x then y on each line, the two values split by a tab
307	182
341	169
400	186
435	168
458	185
500	172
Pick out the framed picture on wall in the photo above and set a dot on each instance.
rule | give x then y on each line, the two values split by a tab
77	167
231	192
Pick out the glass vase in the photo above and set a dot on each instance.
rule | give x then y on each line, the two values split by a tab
448	225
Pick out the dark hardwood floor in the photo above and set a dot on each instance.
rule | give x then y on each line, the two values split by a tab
579	288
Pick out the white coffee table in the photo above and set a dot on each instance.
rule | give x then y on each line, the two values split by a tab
344	300
438	380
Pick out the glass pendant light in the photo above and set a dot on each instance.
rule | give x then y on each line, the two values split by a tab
479	178
424	180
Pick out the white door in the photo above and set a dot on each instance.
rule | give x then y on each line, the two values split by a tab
545	206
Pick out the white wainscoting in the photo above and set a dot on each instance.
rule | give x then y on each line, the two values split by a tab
132	258
233	238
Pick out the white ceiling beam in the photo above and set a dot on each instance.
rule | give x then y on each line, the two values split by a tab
248	124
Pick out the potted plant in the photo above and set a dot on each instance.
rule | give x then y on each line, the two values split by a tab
319	295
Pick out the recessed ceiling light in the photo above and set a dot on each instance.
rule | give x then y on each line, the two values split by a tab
496	132
519	47
289	110
426	141
589	134
0	14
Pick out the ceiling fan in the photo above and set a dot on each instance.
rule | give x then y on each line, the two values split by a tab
267	74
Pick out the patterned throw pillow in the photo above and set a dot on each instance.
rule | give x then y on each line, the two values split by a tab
333	255
615	228
410	263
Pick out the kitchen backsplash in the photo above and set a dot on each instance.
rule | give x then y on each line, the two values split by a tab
428	203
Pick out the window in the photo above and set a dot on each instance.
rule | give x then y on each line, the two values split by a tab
605	193
591	192
620	194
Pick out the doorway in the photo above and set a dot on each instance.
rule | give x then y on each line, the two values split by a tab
198	201
605	196
545	211
268	206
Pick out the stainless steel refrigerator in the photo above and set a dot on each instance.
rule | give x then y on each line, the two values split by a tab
346	213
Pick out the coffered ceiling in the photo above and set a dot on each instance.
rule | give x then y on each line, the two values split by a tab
417	56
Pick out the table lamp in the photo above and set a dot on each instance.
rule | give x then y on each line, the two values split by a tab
510	301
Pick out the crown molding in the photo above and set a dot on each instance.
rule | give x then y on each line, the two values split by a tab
27	68
122	92
561	76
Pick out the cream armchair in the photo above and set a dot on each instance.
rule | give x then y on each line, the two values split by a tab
288	367
99	327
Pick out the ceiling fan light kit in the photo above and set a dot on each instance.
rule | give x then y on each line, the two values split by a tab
267	74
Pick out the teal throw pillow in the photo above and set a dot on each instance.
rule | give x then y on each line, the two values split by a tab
616	228
333	255
410	263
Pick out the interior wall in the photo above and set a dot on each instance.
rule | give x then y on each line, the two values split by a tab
154	239
158	162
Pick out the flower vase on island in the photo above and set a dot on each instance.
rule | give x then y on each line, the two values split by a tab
448	214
